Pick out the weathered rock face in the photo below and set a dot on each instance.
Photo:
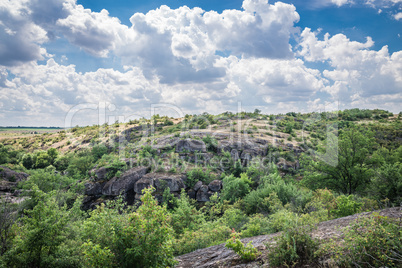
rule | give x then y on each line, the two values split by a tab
8	183
244	149
215	185
287	165
202	194
92	188
173	182
190	145
101	173
125	183
143	183
11	175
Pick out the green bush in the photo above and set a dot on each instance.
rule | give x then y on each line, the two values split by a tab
97	257
79	166
185	216
42	233
256	201
209	234
27	161
234	218
374	241
235	188
345	206
258	224
41	159
139	239
281	220
98	151
47	181
247	253
195	175
294	247
210	143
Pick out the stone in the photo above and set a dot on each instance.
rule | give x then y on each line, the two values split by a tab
126	182
202	194
174	183
11	175
191	194
143	183
215	185
101	173
93	188
191	146
197	186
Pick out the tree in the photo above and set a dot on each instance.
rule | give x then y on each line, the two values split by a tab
352	170
42	231
257	111
27	161
41	160
139	239
52	153
8	215
235	188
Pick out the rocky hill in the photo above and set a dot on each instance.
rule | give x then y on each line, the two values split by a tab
219	256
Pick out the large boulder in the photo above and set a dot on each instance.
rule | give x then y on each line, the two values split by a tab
124	183
202	194
173	182
99	174
93	188
143	183
197	186
191	194
191	145
215	185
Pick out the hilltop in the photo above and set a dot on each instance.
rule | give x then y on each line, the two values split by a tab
144	191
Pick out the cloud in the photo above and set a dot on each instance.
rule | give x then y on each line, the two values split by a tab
21	38
181	45
94	32
45	93
270	81
340	2
358	72
398	16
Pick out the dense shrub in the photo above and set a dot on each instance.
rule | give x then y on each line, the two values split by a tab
295	246
235	188
197	174
98	151
258	224
374	241
47	180
256	201
345	206
185	216
209	234
40	237
139	239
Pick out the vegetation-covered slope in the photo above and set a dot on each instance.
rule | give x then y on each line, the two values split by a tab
137	194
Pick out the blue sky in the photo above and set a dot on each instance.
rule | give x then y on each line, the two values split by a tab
61	59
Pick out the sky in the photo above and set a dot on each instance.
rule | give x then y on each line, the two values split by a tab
84	62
